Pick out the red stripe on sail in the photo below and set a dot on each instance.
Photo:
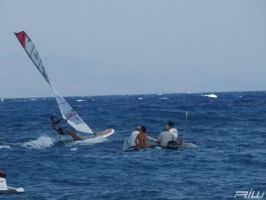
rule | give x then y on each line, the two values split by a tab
22	37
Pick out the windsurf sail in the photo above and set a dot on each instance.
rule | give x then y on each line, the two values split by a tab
68	113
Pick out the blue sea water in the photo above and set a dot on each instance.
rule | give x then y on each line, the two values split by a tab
229	130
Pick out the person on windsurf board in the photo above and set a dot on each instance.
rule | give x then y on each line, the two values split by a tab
169	126
55	123
74	120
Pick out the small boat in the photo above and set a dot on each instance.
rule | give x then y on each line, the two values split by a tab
5	189
128	148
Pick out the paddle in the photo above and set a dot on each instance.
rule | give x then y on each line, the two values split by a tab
185	125
186	121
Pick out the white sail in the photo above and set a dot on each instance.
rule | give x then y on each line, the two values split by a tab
69	114
66	110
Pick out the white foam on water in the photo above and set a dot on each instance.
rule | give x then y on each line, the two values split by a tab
41	142
74	149
2	100
80	100
164	98
210	95
4	146
140	98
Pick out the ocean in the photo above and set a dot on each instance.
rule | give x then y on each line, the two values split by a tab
229	130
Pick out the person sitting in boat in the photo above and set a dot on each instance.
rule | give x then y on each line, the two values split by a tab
62	131
142	138
169	137
164	138
133	136
170	128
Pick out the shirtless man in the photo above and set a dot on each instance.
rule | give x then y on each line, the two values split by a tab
142	138
61	131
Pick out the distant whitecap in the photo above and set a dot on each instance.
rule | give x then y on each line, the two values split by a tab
5	146
140	98
210	95
80	100
164	98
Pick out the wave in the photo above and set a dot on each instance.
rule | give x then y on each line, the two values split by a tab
41	142
210	96
67	141
45	141
74	149
80	100
4	146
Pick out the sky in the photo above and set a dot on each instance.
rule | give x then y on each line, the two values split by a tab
105	47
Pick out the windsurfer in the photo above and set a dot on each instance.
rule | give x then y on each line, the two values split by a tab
62	131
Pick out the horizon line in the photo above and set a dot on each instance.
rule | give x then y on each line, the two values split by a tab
135	94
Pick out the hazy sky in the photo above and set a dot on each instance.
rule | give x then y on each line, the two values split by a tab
106	47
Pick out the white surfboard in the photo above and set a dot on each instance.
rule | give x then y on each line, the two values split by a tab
12	190
105	133
5	189
102	134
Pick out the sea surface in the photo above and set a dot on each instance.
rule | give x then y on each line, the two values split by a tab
230	132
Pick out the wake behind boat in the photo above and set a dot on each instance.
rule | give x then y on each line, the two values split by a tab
68	113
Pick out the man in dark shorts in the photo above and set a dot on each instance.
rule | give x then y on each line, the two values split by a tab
62	131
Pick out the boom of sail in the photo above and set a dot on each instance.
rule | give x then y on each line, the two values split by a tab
68	113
